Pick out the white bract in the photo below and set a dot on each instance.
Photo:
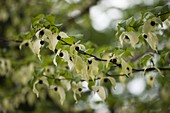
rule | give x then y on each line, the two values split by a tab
150	80
33	45
23	75
77	89
111	79
92	68
5	66
149	27
44	81
126	68
80	67
133	37
50	37
152	40
111	56
66	58
79	46
60	91
100	91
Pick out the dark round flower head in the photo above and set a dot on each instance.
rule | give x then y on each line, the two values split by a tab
152	23
58	37
40	82
126	37
26	44
151	78
113	60
90	61
119	65
42	42
145	36
105	80
61	54
77	48
41	32
71	59
55	89
80	89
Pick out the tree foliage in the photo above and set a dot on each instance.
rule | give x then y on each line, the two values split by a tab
52	67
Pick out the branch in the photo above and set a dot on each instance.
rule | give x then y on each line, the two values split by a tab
82	12
138	56
143	23
139	70
151	69
5	40
95	57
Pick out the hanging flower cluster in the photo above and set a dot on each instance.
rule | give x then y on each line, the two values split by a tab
147	33
81	66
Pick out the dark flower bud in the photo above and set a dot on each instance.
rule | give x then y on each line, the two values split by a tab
71	59
77	48
40	82
98	78
151	78
105	80
89	61
58	37
42	42
26	44
41	32
61	54
88	67
152	23
145	36
119	65
48	70
113	60
126	37
55	89
80	89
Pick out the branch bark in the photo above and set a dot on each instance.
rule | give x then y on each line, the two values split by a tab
82	12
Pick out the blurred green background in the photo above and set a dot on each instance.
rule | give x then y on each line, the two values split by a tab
87	20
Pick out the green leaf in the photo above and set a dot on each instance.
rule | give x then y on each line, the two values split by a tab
162	11
36	19
90	84
50	18
89	51
69	40
144	59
